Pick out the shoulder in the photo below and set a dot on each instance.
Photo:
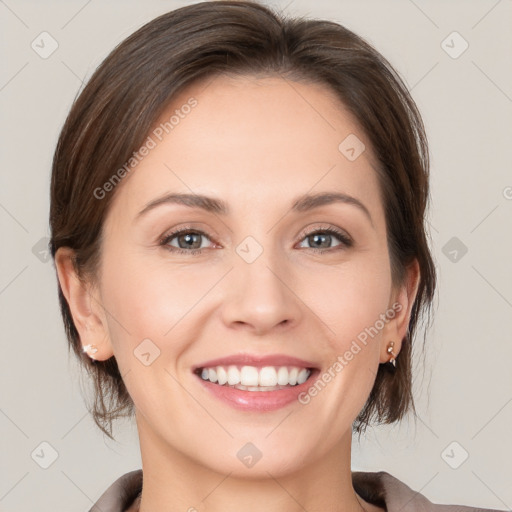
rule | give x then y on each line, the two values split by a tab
378	488
383	489
121	494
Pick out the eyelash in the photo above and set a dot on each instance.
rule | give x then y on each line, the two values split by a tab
345	240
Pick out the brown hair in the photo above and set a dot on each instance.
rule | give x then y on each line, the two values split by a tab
128	92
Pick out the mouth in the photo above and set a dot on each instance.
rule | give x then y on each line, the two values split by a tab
256	378
256	382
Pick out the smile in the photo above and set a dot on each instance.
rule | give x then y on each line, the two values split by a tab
256	389
252	378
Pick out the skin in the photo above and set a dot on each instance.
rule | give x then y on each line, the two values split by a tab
257	144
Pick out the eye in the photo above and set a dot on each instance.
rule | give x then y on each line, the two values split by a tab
321	239
185	241
190	241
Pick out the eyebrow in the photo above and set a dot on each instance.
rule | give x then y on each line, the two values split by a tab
303	203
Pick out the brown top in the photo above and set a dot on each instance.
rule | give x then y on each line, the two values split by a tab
379	488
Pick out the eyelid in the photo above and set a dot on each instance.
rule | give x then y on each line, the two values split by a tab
169	235
190	226
343	237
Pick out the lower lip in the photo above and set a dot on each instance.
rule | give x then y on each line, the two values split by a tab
258	400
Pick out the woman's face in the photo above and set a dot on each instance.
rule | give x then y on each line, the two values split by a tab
269	279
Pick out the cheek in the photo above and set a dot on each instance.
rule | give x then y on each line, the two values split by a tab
350	300
150	320
148	298
350	297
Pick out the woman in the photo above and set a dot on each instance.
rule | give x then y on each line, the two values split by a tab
237	211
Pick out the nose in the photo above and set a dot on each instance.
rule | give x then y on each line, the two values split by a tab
260	296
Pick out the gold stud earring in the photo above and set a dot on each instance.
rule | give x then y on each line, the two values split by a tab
89	350
391	344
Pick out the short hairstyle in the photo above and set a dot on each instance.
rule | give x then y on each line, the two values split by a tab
130	90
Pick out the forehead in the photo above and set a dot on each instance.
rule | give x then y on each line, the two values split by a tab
258	139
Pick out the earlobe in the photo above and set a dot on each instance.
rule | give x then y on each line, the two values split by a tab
402	302
87	313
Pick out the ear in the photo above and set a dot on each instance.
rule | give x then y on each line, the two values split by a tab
402	300
87	312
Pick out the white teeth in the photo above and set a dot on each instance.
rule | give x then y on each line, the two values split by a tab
253	378
303	376
249	376
282	376
233	375
212	375
222	376
292	376
268	376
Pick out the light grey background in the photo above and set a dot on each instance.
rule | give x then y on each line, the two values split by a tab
464	393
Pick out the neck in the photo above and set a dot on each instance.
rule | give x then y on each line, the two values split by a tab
174	481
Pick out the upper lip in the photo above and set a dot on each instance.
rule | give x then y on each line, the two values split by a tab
257	360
